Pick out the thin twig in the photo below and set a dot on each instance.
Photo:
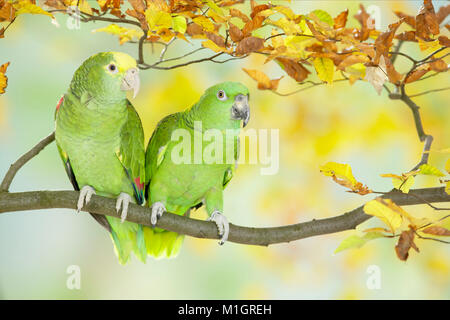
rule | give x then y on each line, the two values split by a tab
429	91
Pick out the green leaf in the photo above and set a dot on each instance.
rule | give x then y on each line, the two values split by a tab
430	170
324	16
355	241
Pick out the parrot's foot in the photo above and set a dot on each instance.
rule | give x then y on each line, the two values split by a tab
158	209
85	196
123	201
223	226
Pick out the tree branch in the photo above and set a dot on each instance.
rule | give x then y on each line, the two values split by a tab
35	200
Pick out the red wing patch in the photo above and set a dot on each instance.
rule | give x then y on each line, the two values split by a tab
59	103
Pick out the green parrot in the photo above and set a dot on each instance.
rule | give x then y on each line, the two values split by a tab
100	139
178	187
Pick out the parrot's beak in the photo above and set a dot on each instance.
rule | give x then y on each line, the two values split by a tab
241	109
131	81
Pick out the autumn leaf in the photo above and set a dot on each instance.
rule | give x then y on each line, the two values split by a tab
248	45
366	22
157	19
341	20
417	73
384	41
294	69
7	12
380	208
342	174
205	23
3	77
123	33
437	231
407	18
444	41
426	21
236	34
403	182
427	169
238	14
179	24
356	242
325	69
264	82
26	6
377	75
443	12
405	242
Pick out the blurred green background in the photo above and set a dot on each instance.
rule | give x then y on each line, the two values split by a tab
342	123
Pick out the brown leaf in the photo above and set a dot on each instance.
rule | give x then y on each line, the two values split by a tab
405	242
194	29
217	39
393	75
315	33
407	36
417	74
138	5
341	20
426	21
366	22
351	60
407	18
235	33
294	69
443	12
443	40
437	231
439	65
238	14
248	45
384	41
139	16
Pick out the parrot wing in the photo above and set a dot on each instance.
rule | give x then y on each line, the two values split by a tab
68	167
132	152
157	145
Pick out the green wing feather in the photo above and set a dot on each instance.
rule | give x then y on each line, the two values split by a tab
129	236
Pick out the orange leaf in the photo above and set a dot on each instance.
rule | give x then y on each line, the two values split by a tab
264	83
443	12
235	33
3	77
408	19
439	65
238	14
417	74
443	40
407	36
341	20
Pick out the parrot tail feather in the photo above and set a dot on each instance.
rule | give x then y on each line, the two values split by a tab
161	243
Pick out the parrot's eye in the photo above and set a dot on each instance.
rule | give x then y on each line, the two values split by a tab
112	68
221	95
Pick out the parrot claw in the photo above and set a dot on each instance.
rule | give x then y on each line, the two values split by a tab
123	201
158	209
85	196
223	227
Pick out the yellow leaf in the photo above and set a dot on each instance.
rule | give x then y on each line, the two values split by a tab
124	34
214	7
205	23
179	24
403	185
26	6
428	45
214	47
355	241
325	69
83	5
158	19
340	170
427	169
286	11
380	208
